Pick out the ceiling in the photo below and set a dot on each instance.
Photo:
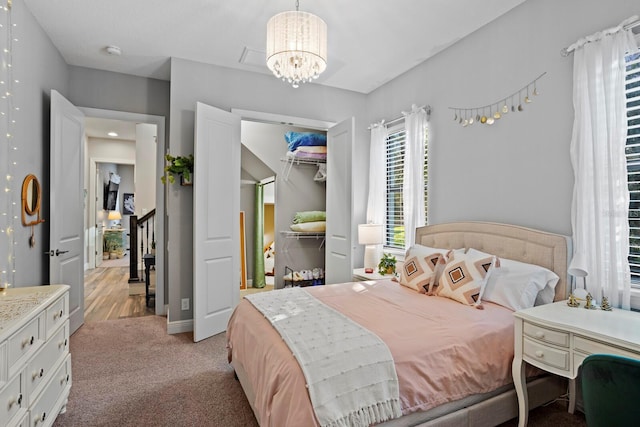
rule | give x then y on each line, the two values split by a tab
99	128
370	41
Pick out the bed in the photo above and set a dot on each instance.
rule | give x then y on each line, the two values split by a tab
275	385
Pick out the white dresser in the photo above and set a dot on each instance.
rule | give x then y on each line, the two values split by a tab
35	364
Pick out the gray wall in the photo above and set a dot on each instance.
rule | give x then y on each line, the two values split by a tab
517	171
39	68
226	89
119	92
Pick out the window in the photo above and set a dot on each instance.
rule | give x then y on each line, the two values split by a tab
394	231
632	89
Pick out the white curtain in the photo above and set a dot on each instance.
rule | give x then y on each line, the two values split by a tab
599	216
376	205
413	184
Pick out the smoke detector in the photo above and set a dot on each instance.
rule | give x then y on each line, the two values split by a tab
113	50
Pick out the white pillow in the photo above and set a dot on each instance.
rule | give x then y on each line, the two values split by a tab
465	275
421	268
516	285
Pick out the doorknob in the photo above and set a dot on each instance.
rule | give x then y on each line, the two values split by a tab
55	253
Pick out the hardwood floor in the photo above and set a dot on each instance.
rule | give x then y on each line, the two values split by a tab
106	295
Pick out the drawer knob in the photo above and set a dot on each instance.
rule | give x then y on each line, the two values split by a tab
540	334
28	341
37	374
63	343
13	401
64	379
539	354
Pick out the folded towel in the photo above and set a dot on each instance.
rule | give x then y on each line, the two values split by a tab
297	139
309	216
310	227
322	149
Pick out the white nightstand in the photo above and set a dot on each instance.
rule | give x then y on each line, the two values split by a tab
359	275
557	338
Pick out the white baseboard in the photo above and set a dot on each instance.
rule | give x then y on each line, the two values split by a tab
180	326
249	283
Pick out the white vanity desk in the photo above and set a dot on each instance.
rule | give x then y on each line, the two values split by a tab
35	364
557	338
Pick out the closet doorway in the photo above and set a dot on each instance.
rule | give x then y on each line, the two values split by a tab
289	190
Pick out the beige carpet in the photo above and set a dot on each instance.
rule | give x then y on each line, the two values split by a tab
129	372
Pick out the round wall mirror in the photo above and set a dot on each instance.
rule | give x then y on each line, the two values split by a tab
31	196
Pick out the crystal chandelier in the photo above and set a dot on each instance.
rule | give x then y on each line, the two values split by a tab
296	46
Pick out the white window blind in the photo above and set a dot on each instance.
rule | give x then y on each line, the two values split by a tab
632	89
394	229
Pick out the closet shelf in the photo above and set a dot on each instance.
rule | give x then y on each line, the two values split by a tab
297	235
290	161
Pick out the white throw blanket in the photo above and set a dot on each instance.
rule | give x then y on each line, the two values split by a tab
349	370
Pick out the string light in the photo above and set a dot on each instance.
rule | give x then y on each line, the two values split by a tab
501	107
8	204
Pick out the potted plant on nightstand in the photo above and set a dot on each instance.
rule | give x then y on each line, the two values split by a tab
181	166
387	264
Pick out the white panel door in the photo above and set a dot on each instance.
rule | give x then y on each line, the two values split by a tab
339	247
216	220
66	238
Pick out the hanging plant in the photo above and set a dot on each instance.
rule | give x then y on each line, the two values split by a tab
178	166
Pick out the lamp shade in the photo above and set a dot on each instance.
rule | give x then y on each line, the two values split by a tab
114	215
296	46
578	265
370	234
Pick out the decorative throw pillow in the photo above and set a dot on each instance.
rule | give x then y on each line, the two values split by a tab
422	265
516	284
465	275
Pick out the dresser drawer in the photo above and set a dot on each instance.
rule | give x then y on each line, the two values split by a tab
588	346
12	401
22	421
24	342
54	396
57	313
39	369
537	352
4	375
547	335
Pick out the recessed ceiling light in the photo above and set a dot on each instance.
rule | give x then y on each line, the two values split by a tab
112	133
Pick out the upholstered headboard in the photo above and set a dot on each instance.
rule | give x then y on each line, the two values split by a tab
542	248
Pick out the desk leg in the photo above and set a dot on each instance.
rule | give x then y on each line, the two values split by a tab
572	395
520	382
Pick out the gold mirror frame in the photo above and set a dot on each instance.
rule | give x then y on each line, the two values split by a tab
31	198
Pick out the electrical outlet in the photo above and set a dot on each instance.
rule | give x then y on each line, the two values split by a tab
185	303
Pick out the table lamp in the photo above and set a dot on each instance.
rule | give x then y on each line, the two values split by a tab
577	268
114	216
371	235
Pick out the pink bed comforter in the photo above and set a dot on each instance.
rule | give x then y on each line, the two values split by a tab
442	350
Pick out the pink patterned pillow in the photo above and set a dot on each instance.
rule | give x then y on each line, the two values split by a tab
465	276
422	265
